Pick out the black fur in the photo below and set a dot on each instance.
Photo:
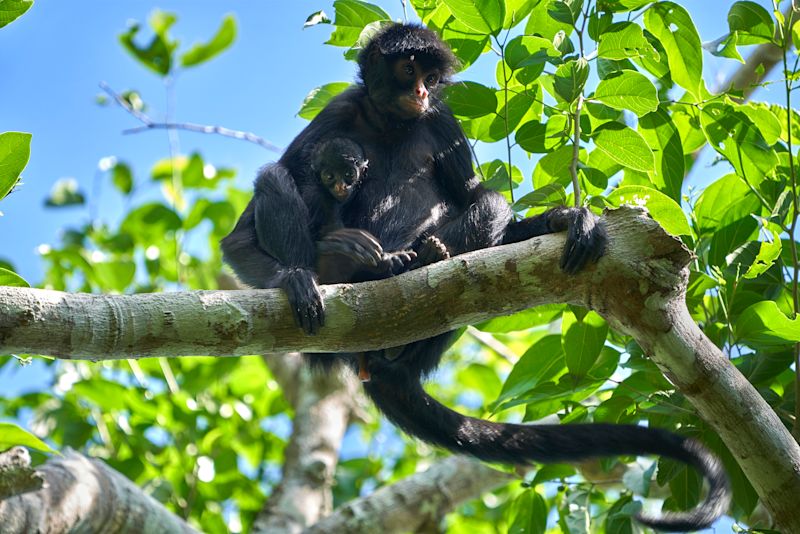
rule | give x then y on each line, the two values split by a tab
421	194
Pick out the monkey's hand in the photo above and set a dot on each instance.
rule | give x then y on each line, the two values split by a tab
430	250
304	299
397	262
586	237
358	245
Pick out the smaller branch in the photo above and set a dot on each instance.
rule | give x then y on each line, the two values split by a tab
150	124
16	474
411	503
82	495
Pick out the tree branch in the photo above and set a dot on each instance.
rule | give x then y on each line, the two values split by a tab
323	405
150	124
638	286
413	502
84	495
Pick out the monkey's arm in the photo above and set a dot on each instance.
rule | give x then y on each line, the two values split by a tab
485	218
271	246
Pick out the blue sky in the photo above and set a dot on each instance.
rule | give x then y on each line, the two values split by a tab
53	58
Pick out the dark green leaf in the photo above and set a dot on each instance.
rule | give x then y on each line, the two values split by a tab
157	55
529	512
200	53
544	19
122	177
582	341
539	138
470	99
15	151
553	168
532	368
527	50
570	79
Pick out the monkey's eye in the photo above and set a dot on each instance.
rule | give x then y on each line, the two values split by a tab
408	69
326	177
432	79
349	173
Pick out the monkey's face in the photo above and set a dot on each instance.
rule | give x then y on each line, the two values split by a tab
341	180
414	85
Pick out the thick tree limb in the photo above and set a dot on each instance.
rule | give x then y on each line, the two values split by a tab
416	500
638	286
84	495
323	405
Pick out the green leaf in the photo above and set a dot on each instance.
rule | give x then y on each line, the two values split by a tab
150	222
15	151
726	200
582	341
545	20
768	253
10	278
624	40
523	320
662	208
318	98
114	275
732	134
157	55
531	369
470	99
621	5
11	10
752	22
796	35
554	167
526	50
11	436
538	138
625	146
628	90
550	196
764	324
484	16
200	53
352	16
64	193
672	25
516	11
318	17
664	140
726	47
529	512
122	177
570	79
763	119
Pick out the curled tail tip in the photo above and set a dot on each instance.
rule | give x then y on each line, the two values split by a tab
707	512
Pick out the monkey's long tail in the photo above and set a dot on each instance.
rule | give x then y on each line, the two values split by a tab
400	396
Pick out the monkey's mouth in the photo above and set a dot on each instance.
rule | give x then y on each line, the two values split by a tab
413	105
341	192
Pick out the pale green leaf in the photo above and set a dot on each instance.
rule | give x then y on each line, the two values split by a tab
15	151
11	10
624	40
628	90
673	26
201	53
625	146
351	18
662	208
318	98
484	16
11	436
10	278
764	324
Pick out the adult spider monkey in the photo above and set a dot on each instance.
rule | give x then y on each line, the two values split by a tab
421	194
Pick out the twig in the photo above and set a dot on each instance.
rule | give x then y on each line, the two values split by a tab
150	124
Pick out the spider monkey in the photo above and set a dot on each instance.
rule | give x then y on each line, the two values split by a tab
421	194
